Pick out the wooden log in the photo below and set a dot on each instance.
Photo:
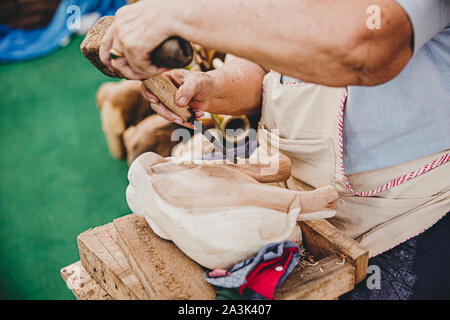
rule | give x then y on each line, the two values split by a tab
165	272
322	238
327	280
102	257
81	284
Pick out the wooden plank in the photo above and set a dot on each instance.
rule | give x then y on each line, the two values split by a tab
327	280
164	270
104	260
81	284
323	239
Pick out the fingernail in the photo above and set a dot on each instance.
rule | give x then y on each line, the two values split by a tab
178	121
182	101
152	100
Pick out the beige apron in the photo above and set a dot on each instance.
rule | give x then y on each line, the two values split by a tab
380	208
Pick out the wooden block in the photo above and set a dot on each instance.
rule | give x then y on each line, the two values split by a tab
165	271
81	284
90	46
322	238
327	280
102	257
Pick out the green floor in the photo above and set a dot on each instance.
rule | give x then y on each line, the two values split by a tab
57	178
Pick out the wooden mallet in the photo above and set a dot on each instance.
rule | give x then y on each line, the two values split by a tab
172	53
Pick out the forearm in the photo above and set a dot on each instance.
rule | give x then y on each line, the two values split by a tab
324	42
238	87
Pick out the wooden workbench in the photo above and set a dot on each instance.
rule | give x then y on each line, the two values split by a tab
126	260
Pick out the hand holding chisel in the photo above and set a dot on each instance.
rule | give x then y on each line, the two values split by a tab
172	53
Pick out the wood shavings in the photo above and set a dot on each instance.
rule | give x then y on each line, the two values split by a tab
306	259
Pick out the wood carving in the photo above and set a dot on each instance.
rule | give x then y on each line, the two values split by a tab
121	105
217	213
131	128
154	133
196	147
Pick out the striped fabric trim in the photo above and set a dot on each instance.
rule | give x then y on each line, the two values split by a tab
295	83
396	182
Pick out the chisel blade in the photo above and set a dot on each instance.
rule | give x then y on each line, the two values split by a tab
230	156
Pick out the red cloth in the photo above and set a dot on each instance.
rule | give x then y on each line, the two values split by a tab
264	278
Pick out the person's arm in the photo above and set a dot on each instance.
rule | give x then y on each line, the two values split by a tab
325	42
233	89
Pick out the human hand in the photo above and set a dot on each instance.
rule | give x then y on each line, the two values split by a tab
136	31
196	90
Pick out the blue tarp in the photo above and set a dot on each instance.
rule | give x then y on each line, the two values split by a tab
18	45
